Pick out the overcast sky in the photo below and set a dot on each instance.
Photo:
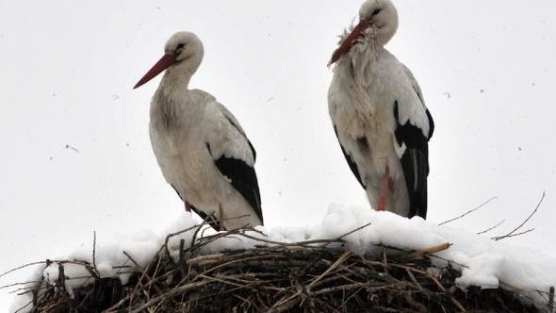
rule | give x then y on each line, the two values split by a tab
75	155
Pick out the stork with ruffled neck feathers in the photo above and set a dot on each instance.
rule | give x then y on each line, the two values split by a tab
379	115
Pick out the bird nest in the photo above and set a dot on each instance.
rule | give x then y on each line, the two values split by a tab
303	277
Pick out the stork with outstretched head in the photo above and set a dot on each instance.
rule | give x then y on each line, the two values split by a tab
379	116
201	148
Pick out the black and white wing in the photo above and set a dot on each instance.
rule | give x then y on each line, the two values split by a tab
412	135
234	155
351	163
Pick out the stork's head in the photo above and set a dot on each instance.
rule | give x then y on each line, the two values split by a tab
183	52
378	22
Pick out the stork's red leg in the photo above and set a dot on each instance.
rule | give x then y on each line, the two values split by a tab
385	186
187	206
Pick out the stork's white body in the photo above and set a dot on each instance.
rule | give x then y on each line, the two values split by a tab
179	136
360	106
189	132
369	85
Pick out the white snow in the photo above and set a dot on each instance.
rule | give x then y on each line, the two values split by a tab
483	261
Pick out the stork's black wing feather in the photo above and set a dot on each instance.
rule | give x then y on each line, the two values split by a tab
415	162
210	219
244	179
242	176
351	163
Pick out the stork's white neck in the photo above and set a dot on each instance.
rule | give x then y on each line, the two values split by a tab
176	78
173	96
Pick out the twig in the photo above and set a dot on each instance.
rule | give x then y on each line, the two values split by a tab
48	262
551	300
352	231
491	228
468	212
431	250
61	277
170	294
518	234
181	253
410	274
439	284
209	239
143	272
128	297
285	303
94	253
340	260
307	243
224	281
22	267
20	284
176	234
205	222
348	287
304	244
204	259
523	223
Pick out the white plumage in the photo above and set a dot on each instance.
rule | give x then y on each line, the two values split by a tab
379	116
200	146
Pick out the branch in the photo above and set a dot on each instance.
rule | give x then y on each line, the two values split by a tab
551	299
491	228
468	212
435	249
517	234
22	267
166	249
511	234
94	254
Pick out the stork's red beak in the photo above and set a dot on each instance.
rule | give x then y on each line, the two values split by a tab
161	65
355	34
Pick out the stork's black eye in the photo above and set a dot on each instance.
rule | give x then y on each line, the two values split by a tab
180	46
375	12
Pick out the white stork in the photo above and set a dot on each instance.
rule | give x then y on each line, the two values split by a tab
201	148
379	115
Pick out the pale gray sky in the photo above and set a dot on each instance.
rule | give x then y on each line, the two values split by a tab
76	156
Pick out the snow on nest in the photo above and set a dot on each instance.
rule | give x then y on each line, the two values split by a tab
483	261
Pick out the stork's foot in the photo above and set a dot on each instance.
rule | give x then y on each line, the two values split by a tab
385	187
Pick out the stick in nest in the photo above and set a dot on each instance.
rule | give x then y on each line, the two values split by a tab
468	212
431	250
512	233
491	228
551	299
